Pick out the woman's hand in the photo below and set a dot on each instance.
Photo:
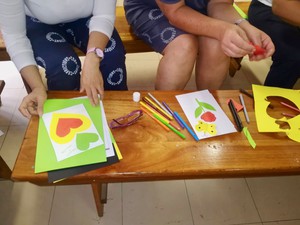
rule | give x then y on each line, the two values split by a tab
91	79
235	42
260	39
33	103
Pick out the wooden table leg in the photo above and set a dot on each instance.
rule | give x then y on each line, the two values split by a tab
2	84
100	196
5	171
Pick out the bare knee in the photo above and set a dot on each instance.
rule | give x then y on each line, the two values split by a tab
185	46
212	64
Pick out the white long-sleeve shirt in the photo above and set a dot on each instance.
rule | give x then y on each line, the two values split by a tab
13	24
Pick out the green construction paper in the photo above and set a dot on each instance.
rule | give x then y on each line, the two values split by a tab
249	137
45	154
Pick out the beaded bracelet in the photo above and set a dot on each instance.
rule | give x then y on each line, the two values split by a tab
239	21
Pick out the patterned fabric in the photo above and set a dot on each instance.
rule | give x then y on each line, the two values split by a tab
63	70
12	21
149	23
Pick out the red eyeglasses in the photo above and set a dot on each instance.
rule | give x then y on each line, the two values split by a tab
127	120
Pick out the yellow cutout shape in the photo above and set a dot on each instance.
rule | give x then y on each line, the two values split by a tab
266	123
206	127
86	123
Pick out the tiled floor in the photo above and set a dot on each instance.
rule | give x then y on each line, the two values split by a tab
251	201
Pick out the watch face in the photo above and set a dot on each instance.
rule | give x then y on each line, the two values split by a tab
99	52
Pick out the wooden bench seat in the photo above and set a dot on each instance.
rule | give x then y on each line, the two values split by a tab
132	43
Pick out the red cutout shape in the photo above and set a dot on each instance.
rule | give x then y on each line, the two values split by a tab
258	50
65	125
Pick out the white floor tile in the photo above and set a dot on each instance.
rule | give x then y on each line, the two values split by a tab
24	203
2	138
12	143
8	107
159	203
221	201
75	205
293	222
10	74
276	198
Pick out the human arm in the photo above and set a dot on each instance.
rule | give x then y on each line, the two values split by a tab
101	28
191	21
12	23
288	10
220	9
219	24
33	103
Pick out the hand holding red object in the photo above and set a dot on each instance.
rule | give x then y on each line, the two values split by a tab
258	50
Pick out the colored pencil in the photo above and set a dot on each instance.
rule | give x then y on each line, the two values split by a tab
155	107
158	108
158	103
235	116
152	110
169	126
192	133
156	120
172	113
289	106
244	108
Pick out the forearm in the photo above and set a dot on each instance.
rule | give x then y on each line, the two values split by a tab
192	21
223	10
32	76
288	10
97	39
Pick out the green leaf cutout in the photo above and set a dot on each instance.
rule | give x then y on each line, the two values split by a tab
208	106
83	140
198	112
201	107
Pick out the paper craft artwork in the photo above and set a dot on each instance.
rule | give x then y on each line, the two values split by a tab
204	114
112	151
70	134
265	122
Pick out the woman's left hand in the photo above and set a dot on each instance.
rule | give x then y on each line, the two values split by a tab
91	79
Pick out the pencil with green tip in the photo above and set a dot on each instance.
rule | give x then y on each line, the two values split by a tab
169	126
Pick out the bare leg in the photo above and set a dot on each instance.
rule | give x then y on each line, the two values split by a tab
176	66
212	64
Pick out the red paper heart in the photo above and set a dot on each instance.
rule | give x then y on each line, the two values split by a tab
65	125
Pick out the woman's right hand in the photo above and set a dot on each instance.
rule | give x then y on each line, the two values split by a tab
33	103
235	42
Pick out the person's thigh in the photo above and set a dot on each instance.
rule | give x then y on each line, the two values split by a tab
152	27
212	64
113	67
55	54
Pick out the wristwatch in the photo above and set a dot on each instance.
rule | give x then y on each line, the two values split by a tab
97	51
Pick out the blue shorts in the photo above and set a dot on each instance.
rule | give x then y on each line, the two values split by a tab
150	25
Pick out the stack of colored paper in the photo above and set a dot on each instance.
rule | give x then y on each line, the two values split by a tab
73	137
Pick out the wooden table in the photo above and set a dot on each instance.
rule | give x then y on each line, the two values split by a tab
150	153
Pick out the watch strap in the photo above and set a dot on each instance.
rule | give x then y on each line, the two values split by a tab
98	52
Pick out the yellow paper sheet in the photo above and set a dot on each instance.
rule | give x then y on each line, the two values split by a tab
266	123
